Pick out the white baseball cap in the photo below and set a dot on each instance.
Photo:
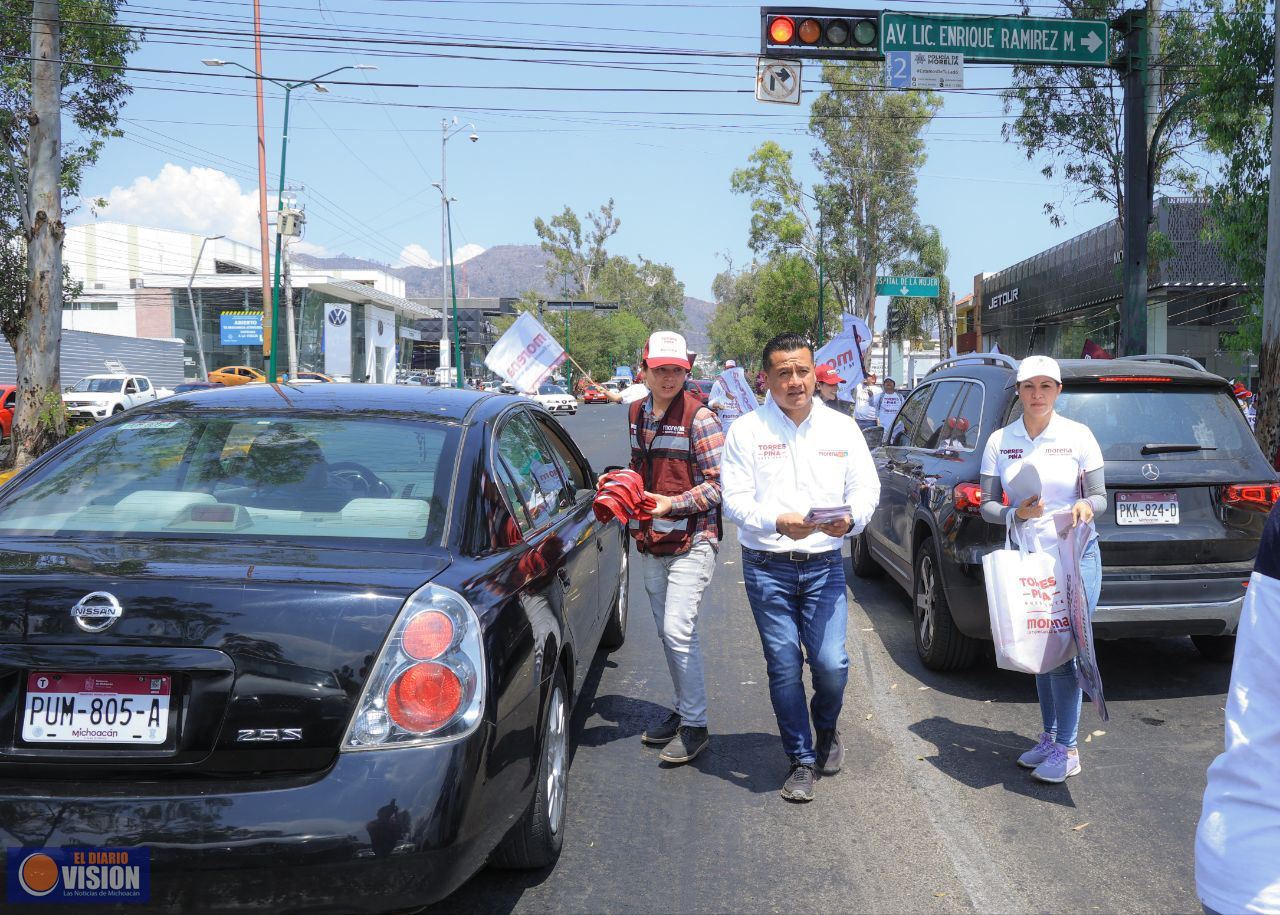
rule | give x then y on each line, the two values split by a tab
730	364
1036	366
666	347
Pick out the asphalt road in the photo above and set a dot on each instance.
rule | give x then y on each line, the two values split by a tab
930	813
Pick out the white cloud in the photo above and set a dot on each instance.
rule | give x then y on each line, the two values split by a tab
414	255
466	252
199	200
306	247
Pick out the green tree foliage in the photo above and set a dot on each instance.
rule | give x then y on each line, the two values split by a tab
1070	118
735	330
918	319
1235	84
778	296
94	91
649	295
861	215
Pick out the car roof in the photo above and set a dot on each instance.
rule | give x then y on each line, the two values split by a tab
416	401
1083	370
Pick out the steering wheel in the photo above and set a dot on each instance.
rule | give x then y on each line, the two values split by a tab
362	481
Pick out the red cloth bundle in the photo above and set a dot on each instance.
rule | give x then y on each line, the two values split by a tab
620	494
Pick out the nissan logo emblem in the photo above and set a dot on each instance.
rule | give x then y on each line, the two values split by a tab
97	611
1151	471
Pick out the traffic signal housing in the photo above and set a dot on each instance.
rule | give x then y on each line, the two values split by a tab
817	32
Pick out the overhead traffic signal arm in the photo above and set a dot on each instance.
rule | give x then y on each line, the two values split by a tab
819	32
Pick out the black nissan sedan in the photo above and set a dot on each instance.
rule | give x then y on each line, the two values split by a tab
305	648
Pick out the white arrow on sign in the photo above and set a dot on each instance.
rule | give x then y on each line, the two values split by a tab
905	289
1092	42
778	81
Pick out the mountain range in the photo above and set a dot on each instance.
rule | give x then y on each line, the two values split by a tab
500	271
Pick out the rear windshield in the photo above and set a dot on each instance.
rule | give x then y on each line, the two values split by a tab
1126	418
245	477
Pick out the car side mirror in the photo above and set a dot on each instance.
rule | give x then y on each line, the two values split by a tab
874	436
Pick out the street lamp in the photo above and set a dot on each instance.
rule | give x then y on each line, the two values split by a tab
453	286
195	323
446	134
284	148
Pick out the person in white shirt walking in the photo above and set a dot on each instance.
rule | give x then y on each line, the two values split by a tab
781	461
722	401
866	402
890	403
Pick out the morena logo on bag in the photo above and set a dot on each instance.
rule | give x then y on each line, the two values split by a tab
1049	624
101	875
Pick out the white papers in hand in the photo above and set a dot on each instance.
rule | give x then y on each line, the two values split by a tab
1024	485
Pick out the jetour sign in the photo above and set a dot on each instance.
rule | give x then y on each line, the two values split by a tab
1008	297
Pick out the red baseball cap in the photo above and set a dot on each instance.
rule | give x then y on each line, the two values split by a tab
826	374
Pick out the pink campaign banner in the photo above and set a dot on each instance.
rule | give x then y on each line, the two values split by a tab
1074	542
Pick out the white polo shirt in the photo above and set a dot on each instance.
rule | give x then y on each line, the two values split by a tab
866	402
1061	454
890	404
771	467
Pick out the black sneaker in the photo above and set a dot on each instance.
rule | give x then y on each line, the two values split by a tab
799	784
688	743
659	735
830	752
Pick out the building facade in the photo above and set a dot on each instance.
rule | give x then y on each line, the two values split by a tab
1053	302
146	283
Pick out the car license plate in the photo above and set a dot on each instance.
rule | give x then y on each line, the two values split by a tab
96	708
1146	508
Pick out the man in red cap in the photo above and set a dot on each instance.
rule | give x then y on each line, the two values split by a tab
676	443
829	382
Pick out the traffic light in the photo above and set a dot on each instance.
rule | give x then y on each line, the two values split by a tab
820	33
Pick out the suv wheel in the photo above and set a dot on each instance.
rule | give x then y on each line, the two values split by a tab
864	565
1215	647
939	643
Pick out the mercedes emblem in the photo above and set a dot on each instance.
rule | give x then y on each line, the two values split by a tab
97	611
1151	472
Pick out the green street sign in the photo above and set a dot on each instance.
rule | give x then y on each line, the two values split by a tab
1007	39
916	287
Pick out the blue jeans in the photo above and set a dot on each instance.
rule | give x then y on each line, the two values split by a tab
795	605
1060	694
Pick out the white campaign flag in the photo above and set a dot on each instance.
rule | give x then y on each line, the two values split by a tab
738	389
842	353
526	354
852	324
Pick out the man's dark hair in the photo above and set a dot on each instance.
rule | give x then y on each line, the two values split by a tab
785	343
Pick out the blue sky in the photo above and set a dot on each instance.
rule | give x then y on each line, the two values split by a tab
661	138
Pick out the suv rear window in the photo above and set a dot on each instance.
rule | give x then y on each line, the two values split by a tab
1125	418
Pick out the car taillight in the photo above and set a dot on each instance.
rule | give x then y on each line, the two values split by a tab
968	498
1259	496
428	683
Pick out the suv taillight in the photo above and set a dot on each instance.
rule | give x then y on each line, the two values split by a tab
968	498
1259	496
428	682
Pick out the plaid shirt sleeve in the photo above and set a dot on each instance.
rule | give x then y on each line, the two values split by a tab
708	442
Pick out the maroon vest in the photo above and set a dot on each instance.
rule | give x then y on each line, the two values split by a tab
667	466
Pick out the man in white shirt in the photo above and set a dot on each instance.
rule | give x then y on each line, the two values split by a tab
1238	842
890	403
781	461
866	402
722	400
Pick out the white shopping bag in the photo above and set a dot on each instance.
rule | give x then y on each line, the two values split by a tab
1027	600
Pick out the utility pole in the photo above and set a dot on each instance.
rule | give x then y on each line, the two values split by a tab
37	350
445	252
290	320
822	326
1268	424
1133	311
264	238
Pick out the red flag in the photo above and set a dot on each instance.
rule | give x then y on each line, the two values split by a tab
1094	351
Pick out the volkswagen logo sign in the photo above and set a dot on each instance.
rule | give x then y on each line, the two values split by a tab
1151	472
97	611
337	316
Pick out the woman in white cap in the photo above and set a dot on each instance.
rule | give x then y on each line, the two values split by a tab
1064	460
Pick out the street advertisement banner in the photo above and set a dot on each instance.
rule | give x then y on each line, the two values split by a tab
240	328
526	354
337	339
1074	542
738	389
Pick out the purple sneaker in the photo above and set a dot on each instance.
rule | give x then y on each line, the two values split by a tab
1037	754
1061	765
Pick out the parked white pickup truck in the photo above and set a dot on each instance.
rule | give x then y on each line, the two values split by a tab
97	397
